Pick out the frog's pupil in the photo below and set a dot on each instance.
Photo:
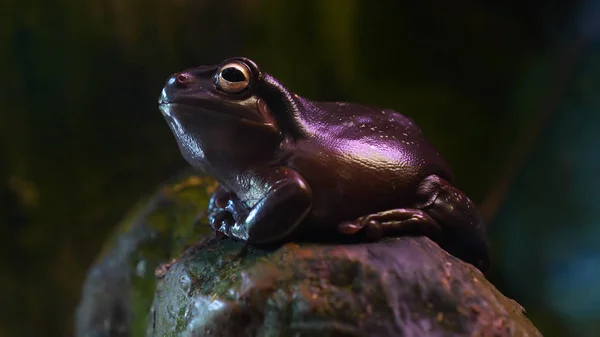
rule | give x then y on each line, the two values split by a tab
233	75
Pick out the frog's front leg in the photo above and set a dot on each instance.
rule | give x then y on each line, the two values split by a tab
284	206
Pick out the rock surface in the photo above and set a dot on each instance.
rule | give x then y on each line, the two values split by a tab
400	287
119	288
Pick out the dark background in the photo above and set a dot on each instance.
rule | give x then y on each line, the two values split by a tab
508	92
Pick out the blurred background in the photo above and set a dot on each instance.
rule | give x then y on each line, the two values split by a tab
509	92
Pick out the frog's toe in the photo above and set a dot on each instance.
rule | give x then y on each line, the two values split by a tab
221	221
350	227
392	222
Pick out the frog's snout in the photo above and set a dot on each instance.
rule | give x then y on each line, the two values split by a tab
180	80
176	82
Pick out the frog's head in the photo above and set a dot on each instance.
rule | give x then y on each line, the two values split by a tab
222	115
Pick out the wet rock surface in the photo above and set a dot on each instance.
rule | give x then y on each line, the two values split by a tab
401	287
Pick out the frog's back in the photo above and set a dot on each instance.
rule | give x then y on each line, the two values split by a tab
379	139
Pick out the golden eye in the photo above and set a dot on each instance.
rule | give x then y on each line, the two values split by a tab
233	78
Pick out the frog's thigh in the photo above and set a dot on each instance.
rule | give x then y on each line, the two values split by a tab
464	232
449	206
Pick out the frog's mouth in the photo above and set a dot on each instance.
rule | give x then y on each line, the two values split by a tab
184	110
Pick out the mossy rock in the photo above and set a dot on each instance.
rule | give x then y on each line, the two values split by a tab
147	283
119	288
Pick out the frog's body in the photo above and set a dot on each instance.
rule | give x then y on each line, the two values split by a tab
287	165
360	160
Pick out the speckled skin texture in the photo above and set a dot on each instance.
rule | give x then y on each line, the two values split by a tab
290	167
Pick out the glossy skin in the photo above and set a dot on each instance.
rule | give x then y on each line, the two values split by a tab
289	167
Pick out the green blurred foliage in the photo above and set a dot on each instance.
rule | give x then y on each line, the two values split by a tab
81	139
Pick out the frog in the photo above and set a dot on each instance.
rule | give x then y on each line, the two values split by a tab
290	168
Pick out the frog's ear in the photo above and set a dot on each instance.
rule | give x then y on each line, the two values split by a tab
283	105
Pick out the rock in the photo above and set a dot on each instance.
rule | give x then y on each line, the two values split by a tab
401	287
119	288
405	286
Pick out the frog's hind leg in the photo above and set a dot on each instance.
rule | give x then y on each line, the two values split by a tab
441	212
394	221
464	233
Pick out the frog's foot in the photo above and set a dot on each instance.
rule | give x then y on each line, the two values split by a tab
221	214
219	219
394	221
273	217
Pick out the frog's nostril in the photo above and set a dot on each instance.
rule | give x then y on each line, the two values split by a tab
182	80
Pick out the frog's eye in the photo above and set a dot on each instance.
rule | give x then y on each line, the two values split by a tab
233	78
